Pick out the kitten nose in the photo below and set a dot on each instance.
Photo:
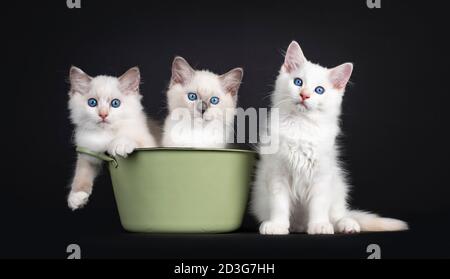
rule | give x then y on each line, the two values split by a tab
103	114
204	107
304	95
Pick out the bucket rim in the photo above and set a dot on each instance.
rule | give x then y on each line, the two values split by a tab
195	149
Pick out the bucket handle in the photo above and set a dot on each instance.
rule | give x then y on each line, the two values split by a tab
100	156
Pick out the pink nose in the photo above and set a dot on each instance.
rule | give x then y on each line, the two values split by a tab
304	95
103	115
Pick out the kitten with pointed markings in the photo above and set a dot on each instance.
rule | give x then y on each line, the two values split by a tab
108	117
302	187
201	107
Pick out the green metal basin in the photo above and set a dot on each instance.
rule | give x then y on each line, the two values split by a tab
173	190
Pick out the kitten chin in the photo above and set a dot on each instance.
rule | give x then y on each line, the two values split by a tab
201	105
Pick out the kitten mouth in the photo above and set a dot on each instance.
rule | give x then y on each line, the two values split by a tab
302	103
201	115
204	119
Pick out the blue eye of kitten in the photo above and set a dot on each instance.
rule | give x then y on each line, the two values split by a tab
214	100
298	81
192	96
92	102
319	90
115	103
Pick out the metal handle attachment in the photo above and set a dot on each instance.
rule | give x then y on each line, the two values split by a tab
100	156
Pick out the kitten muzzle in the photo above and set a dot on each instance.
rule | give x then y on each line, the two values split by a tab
202	107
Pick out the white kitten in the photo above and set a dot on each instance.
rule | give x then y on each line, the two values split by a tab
302	187
108	117
201	107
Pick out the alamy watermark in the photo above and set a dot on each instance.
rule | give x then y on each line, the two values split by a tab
374	251
228	126
373	4
73	251
73	4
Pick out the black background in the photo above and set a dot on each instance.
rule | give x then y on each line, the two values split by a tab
395	116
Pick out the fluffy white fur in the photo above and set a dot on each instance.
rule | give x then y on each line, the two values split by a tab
200	123
104	128
302	187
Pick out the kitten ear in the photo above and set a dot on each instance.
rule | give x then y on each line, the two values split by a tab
232	80
294	58
182	72
79	80
129	82
340	75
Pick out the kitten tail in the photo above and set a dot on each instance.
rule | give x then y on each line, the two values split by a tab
373	223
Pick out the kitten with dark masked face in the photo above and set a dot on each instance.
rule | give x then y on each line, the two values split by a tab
201	107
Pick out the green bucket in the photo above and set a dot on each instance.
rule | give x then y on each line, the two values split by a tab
174	190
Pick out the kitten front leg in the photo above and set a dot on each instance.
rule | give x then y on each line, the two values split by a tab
279	204
318	210
122	146
339	214
85	172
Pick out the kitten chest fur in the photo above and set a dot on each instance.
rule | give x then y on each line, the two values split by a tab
307	149
96	140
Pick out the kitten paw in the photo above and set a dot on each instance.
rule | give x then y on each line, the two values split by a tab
77	200
348	225
122	147
320	228
273	228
